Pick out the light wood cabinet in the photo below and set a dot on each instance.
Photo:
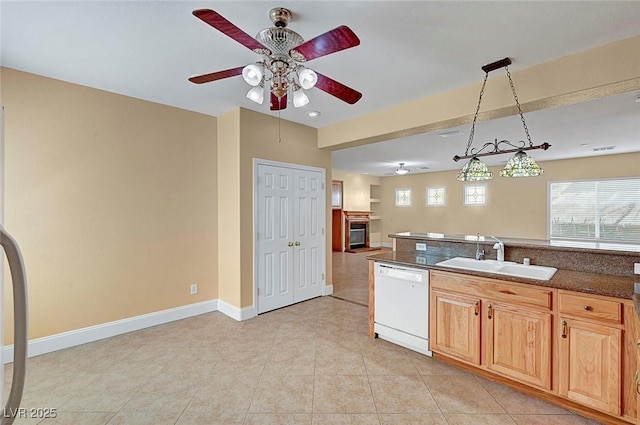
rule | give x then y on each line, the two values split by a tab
518	343
455	325
590	351
513	322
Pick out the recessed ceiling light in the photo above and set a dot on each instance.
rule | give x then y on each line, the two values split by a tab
313	114
452	133
638	99
603	148
584	145
424	168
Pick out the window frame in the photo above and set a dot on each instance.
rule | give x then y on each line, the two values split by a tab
587	242
486	194
428	196
398	189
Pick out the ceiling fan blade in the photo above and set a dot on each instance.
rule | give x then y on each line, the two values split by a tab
206	78
278	104
330	42
220	23
339	90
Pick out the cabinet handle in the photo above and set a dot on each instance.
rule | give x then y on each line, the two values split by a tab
489	311
588	307
475	309
564	328
290	244
297	243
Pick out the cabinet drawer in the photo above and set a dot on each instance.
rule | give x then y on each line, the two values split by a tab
492	289
588	307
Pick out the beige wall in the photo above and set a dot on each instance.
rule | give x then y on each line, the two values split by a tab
516	207
112	199
256	136
355	189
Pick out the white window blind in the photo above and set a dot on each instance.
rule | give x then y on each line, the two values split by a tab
597	210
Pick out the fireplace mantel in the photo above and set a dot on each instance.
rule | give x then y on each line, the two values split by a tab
356	230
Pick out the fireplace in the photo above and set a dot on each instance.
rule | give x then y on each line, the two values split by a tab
356	230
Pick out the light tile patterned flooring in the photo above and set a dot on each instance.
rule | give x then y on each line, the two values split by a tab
311	363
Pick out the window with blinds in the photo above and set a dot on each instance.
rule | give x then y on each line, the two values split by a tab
595	210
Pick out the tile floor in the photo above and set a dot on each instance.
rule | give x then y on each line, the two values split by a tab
351	275
311	363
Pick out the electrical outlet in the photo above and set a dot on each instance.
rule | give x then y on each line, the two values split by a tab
421	247
194	289
636	268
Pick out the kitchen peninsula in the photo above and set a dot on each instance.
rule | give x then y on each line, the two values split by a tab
571	340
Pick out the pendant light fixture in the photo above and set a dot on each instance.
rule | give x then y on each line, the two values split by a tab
401	171
520	165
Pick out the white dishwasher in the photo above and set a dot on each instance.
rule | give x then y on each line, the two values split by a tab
401	306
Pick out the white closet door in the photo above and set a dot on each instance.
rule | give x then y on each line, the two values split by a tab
275	234
307	228
289	244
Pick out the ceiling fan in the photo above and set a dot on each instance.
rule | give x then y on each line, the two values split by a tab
283	54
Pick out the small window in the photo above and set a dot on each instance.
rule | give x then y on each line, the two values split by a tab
475	195
403	197
436	196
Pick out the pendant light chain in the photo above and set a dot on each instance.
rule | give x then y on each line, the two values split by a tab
475	117
515	97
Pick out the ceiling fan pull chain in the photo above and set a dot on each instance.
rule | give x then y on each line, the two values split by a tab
279	121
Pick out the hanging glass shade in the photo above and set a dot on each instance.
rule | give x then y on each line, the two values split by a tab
474	170
521	165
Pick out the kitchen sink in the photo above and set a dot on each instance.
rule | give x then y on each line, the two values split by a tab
500	267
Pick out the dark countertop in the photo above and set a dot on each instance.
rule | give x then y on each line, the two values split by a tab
590	283
595	247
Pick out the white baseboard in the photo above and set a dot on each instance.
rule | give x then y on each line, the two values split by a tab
236	313
375	244
327	290
387	244
63	340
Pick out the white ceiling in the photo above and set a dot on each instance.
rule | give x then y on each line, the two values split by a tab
409	50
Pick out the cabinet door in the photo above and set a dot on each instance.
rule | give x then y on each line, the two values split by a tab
590	364
455	326
518	343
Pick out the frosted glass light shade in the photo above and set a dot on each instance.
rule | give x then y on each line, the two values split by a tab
474	170
256	94
299	99
252	74
521	165
308	78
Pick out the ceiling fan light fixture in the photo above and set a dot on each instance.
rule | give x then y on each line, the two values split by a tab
299	98
307	77
252	74
256	94
402	171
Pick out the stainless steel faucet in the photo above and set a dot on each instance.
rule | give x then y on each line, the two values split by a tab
479	252
499	246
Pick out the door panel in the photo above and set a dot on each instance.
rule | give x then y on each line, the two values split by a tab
518	344
455	326
308	230
274	270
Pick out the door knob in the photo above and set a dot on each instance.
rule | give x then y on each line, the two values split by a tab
297	243
290	244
